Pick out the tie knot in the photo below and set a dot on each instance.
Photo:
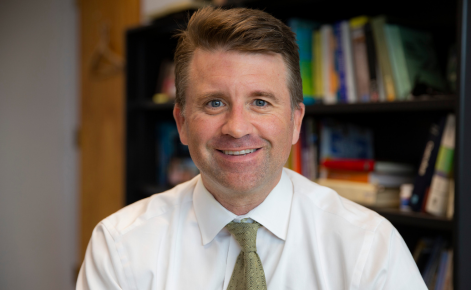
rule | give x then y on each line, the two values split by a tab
245	234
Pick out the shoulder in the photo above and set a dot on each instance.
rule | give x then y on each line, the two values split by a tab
325	202
157	206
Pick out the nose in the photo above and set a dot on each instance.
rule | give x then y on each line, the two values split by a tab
237	123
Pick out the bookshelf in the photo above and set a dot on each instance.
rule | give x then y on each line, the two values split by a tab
400	127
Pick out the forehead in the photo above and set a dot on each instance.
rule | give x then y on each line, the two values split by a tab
234	70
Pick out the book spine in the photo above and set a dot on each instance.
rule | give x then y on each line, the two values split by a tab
377	25
349	164
440	282
318	65
313	67
398	62
390	32
303	31
349	63
372	62
360	58
340	64
426	168
328	73
438	196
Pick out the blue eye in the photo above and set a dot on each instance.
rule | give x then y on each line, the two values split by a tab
260	103
215	103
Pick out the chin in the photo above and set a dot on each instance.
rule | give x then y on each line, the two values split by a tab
241	182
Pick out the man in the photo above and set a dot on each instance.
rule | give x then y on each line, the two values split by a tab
245	222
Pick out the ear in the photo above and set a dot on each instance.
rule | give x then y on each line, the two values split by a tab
298	120
181	125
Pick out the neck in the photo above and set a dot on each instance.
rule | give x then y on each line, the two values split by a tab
237	202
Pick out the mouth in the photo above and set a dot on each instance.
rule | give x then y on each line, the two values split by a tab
239	153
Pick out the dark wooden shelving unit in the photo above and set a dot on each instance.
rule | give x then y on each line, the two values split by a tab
415	219
400	127
447	103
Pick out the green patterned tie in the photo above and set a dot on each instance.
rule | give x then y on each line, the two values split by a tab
248	271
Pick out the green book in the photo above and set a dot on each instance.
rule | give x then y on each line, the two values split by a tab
437	200
402	82
377	25
317	66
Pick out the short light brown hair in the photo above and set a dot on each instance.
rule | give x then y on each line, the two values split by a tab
238	29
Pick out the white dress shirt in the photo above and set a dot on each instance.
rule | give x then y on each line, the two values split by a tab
311	238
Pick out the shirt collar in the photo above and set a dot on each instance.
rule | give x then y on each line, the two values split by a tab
273	213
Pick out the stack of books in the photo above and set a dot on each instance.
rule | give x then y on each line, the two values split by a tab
368	182
342	158
364	59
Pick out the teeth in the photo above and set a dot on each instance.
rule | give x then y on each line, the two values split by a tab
242	152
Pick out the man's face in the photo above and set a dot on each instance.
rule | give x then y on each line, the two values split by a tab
237	121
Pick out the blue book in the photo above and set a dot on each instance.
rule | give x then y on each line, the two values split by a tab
442	268
340	64
343	140
304	32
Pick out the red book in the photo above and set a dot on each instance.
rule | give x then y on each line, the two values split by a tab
350	164
296	151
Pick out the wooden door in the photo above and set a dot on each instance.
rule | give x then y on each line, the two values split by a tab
102	132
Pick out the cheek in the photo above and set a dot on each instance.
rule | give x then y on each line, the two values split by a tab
278	130
201	130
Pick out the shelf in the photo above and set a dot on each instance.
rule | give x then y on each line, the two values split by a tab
447	103
437	104
421	220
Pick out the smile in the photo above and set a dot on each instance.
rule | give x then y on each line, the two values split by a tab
242	152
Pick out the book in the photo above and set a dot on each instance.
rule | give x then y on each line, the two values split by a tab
377	25
360	58
442	268
349	63
401	78
364	193
427	165
329	75
345	140
448	283
303	30
297	157
373	66
340	63
383	179
439	188
317	63
368	165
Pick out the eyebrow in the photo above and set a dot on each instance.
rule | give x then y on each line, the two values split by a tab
264	94
252	94
210	96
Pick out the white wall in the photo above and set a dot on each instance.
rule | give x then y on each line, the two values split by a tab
38	167
150	7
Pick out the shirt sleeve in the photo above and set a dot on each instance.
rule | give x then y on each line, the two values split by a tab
101	268
390	264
